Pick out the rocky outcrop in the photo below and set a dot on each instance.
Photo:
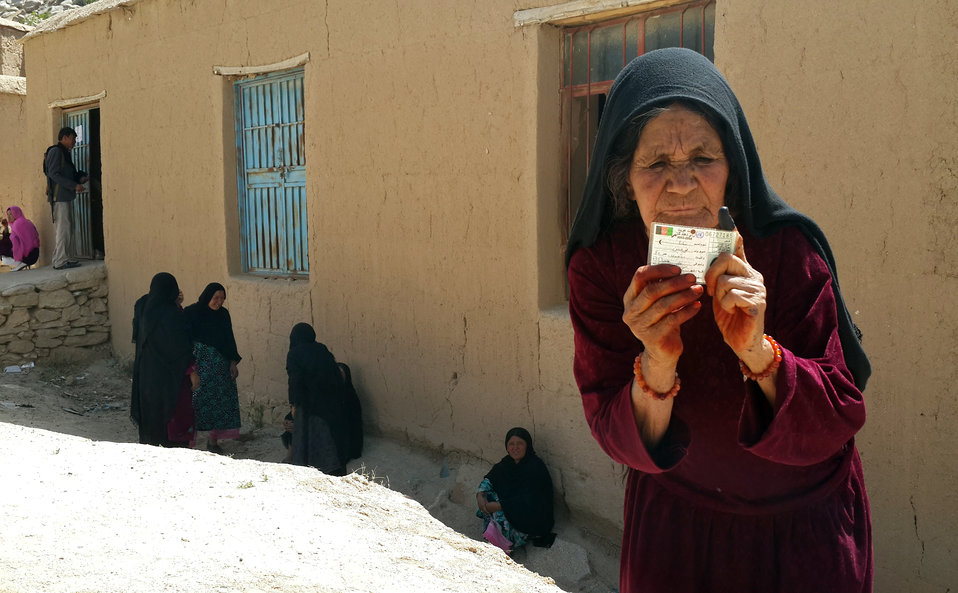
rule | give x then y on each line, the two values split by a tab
41	310
30	12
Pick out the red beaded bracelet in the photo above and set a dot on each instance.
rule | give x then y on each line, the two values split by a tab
640	381
747	372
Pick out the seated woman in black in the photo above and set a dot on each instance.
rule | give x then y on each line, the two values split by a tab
317	394
515	498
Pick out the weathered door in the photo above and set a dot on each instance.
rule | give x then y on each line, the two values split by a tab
271	164
79	120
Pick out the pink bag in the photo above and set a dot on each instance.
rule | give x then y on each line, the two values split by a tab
494	536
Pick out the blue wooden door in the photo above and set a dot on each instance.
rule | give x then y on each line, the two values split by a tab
271	164
79	120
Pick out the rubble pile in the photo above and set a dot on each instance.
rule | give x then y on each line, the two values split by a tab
32	12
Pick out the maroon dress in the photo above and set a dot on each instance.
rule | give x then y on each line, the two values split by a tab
737	497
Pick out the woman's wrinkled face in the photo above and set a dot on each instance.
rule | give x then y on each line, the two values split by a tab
679	170
10	215
516	447
219	297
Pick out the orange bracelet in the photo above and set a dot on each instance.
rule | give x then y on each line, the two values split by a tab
640	381
747	372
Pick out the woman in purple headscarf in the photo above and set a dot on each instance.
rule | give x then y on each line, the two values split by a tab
20	242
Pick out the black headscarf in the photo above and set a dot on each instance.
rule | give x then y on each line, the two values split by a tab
524	488
660	78
316	385
153	306
213	328
302	333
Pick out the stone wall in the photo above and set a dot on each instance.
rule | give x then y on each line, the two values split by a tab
43	310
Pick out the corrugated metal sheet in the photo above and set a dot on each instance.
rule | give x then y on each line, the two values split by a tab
272	174
82	238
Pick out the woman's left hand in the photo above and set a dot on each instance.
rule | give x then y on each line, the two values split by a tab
234	370
738	301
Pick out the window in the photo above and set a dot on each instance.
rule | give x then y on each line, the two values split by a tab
271	172
593	55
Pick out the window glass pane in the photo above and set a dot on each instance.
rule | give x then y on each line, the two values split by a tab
662	31
606	53
566	59
710	31
632	40
580	58
692	28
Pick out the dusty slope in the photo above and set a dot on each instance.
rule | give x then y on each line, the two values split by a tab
224	521
80	515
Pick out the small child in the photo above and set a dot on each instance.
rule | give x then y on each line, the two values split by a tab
287	437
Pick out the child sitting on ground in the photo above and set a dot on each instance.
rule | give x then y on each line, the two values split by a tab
287	437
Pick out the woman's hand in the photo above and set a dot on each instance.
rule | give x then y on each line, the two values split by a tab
234	371
738	301
658	301
194	380
485	506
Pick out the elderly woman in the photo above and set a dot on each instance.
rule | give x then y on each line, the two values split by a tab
20	242
515	497
734	404
216	401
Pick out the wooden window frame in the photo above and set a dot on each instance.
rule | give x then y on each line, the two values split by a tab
593	92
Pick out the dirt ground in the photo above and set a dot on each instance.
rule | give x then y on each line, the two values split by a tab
90	399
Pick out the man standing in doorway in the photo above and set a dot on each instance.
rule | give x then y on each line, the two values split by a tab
64	182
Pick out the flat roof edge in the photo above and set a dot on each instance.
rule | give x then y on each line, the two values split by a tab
75	16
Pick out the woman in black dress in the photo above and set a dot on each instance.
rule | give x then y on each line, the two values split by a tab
162	364
317	394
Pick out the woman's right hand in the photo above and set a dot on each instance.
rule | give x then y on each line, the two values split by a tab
658	301
485	506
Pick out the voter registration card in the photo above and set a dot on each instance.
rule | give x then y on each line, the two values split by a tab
691	248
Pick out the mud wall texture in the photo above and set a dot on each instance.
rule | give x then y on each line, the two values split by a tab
11	53
432	175
855	112
13	154
51	313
